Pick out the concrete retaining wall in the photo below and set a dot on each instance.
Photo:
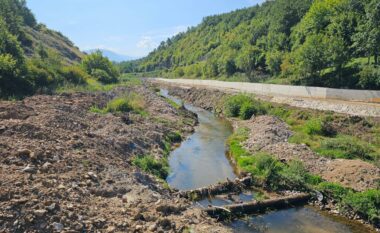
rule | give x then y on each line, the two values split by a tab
284	90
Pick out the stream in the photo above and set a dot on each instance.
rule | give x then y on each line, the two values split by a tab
201	161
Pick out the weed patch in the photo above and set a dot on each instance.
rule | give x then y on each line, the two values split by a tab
130	103
242	106
346	147
148	163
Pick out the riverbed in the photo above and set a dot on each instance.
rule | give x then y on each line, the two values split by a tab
201	161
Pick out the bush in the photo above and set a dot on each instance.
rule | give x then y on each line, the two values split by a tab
369	77
314	127
346	147
100	67
242	106
12	84
103	77
130	103
247	110
174	137
294	175
367	203
159	168
333	190
74	75
119	105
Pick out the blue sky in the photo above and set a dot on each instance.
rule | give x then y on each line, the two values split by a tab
129	27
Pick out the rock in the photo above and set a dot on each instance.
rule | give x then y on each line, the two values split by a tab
111	229
57	226
23	153
138	227
46	166
30	169
125	199
61	186
40	213
153	227
92	176
52	207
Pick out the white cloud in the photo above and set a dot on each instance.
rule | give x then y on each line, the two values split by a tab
146	42
152	39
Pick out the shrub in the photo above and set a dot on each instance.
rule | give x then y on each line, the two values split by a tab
314	127
242	106
130	103
100	67
11	81
103	77
345	147
367	203
174	137
247	110
159	168
333	190
264	168
74	75
119	105
369	77
294	175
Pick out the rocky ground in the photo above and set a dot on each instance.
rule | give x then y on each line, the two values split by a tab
66	169
270	134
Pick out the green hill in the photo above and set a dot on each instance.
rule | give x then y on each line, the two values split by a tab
35	59
320	42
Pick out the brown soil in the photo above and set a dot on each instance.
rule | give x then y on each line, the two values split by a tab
65	169
270	134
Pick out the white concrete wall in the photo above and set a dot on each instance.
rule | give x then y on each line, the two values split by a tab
284	90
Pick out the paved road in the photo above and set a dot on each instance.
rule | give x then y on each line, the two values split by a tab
299	100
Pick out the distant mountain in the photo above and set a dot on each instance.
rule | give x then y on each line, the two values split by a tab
112	55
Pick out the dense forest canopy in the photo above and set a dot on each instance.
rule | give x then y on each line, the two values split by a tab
331	43
29	65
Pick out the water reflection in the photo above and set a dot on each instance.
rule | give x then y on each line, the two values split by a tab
201	159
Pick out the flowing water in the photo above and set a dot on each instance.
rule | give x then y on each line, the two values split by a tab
201	161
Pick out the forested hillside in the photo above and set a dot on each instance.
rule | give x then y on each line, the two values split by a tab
331	43
35	59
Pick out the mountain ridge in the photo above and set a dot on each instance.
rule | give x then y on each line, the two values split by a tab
113	56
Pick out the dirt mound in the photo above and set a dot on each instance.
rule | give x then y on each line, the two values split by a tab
270	134
268	130
206	99
65	169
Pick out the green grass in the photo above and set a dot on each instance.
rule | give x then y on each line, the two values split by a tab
148	163
365	203
346	147
243	106
132	102
274	175
173	103
267	170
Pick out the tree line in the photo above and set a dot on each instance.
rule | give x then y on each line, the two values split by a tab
333	43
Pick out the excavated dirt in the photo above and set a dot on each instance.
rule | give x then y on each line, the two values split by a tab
270	134
65	169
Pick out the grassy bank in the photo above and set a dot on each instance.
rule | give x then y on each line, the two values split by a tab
326	133
158	167
273	175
